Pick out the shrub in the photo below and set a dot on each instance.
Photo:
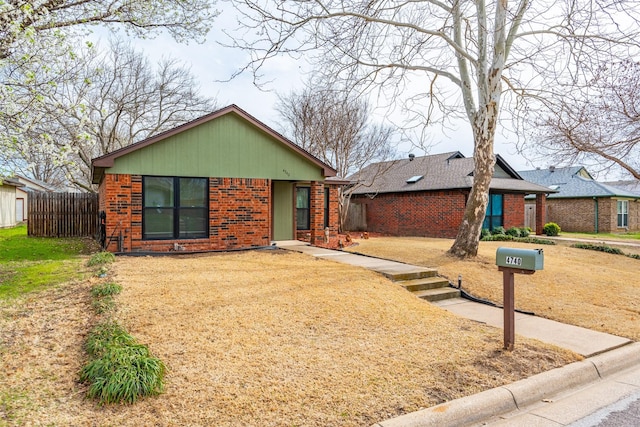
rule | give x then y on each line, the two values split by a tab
551	229
497	230
121	370
525	232
101	258
513	231
498	238
484	233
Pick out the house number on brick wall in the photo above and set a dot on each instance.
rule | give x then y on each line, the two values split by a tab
513	260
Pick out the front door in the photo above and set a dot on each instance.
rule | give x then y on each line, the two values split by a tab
282	205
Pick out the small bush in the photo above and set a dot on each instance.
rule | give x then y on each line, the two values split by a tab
498	238
484	233
101	258
551	229
525	232
498	231
634	256
121	370
513	231
106	289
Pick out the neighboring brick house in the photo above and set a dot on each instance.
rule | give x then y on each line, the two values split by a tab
220	182
426	196
582	204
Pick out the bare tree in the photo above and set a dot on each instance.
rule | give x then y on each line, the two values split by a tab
338	129
108	101
598	123
468	56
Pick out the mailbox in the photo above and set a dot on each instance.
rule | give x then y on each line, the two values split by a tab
523	259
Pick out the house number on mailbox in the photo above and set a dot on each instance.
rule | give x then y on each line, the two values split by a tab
513	260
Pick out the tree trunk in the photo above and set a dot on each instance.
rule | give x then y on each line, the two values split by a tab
468	237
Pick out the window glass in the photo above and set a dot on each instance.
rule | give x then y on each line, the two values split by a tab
493	217
623	213
175	207
193	192
158	191
303	220
496	204
158	223
193	222
326	207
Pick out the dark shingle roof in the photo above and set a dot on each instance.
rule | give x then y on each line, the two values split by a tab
446	171
573	182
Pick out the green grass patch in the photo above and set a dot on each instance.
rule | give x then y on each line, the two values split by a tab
121	370
28	264
604	248
602	236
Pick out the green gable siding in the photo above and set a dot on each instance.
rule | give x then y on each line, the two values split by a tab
227	147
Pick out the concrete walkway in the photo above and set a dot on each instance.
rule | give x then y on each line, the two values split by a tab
558	397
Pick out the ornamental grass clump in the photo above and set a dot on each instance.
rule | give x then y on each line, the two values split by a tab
103	293
101	258
121	370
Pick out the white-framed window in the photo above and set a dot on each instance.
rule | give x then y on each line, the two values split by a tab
623	213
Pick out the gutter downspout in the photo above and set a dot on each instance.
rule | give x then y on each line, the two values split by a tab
595	199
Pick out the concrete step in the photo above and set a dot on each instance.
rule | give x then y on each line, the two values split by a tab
409	274
424	283
438	294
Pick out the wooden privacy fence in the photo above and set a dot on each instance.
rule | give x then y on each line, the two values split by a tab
62	214
356	217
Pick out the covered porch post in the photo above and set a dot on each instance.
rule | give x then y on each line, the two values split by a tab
316	212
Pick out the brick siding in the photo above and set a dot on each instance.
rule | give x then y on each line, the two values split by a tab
315	235
578	215
429	214
239	215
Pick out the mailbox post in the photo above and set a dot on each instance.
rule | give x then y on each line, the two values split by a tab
513	261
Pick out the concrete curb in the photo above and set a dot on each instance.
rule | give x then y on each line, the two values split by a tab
511	397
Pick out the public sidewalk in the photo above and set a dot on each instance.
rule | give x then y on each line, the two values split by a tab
558	397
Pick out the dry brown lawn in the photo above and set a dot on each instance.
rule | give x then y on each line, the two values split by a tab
591	289
256	339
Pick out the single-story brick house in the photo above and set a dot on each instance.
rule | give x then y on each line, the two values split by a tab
222	181
426	196
582	204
